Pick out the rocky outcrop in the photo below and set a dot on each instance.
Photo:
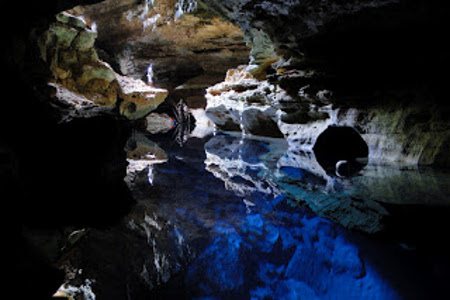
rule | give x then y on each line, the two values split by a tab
83	81
138	99
416	134
68	48
182	46
321	64
241	103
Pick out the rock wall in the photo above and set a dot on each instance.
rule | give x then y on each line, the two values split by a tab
182	46
84	81
355	64
395	133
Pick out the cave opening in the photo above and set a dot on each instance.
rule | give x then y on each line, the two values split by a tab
341	150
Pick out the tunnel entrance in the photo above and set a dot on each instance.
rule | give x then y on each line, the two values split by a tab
341	150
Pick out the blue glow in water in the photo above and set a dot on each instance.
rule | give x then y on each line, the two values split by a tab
251	151
282	254
293	172
259	246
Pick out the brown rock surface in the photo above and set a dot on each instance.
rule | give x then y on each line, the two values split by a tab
138	98
190	51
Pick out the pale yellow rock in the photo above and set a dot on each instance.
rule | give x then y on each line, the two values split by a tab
139	99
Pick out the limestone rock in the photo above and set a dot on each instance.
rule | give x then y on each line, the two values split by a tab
139	99
257	122
182	46
71	20
242	102
85	40
68	48
291	103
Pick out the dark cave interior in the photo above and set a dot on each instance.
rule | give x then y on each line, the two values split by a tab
349	86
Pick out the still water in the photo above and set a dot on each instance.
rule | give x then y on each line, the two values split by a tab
227	217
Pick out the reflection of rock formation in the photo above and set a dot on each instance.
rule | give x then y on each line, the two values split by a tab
129	260
249	165
238	161
189	237
187	224
403	186
142	154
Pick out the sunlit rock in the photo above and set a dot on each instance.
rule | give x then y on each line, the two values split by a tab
203	125
394	134
333	70
68	48
239	93
181	40
138	98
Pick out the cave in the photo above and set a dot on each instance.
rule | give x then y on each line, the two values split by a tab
203	149
337	144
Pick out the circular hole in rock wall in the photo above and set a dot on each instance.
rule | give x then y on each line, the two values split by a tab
341	150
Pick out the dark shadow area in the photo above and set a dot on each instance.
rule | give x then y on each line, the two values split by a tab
341	150
399	46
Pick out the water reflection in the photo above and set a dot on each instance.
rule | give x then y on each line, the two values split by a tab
232	218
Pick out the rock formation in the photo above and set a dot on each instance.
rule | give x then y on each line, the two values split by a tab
320	64
363	73
82	80
167	43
